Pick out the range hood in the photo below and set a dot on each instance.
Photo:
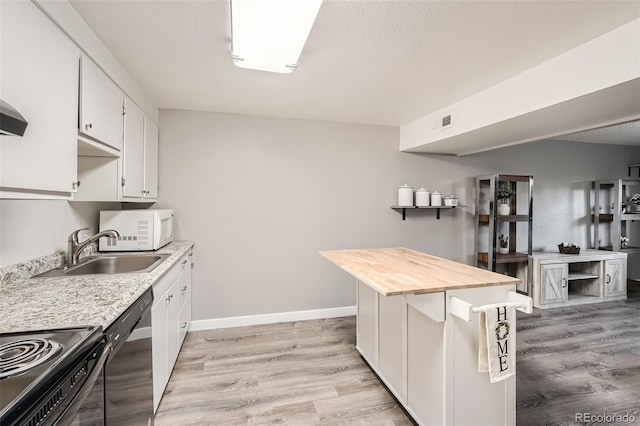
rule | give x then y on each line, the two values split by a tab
11	122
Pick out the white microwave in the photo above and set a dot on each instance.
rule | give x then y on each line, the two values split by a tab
139	230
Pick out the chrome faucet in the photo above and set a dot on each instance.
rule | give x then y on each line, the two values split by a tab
74	248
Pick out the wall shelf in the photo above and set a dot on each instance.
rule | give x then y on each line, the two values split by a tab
403	209
512	257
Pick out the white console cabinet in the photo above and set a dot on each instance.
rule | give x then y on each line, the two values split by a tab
569	279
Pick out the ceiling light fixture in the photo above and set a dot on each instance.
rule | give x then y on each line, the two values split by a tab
269	35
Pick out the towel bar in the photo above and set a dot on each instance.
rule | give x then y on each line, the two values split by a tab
463	309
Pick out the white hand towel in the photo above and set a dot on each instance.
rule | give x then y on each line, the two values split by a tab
497	348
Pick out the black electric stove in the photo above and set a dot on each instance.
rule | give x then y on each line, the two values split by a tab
45	374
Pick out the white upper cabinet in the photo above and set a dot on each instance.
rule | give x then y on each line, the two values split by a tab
140	174
39	78
101	106
133	173
150	158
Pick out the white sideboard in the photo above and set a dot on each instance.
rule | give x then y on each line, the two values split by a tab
572	279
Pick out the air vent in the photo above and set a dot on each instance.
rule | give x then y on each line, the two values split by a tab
446	120
45	409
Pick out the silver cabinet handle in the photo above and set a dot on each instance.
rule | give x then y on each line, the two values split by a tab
184	262
183	289
608	279
564	282
184	325
88	126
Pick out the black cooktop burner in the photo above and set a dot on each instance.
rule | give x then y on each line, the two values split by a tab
24	355
35	363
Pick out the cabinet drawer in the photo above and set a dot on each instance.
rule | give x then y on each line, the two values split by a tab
161	286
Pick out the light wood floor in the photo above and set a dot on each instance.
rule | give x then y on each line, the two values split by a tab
297	373
577	360
570	360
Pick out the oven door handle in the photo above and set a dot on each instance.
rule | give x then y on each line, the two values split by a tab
83	393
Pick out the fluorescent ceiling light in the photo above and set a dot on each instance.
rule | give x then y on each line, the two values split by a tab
269	35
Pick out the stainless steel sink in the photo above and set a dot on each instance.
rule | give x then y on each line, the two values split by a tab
111	264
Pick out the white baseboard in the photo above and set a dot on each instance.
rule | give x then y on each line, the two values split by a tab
212	324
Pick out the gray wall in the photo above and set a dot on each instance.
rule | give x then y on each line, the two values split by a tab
35	228
261	196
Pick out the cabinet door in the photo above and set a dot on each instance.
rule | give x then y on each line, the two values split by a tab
100	105
38	78
615	277
159	347
367	323
554	284
185	321
185	280
150	158
133	172
173	326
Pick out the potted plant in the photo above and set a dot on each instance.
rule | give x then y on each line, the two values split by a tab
632	203
504	195
504	244
624	241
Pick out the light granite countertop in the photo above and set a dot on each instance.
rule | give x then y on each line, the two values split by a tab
87	300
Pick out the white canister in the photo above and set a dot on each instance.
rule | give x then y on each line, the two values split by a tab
436	199
422	197
405	196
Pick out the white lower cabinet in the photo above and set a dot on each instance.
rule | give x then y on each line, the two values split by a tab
428	358
160	334
367	323
185	296
170	305
392	315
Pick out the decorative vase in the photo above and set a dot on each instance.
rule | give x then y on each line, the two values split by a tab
504	209
503	250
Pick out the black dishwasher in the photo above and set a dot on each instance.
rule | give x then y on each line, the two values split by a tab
128	375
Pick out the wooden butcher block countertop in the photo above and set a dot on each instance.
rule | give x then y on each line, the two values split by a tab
395	271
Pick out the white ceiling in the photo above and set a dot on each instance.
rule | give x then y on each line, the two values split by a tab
619	134
370	62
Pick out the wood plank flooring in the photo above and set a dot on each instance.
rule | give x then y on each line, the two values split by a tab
297	373
583	359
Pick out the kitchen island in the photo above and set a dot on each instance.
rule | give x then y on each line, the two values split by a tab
417	331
